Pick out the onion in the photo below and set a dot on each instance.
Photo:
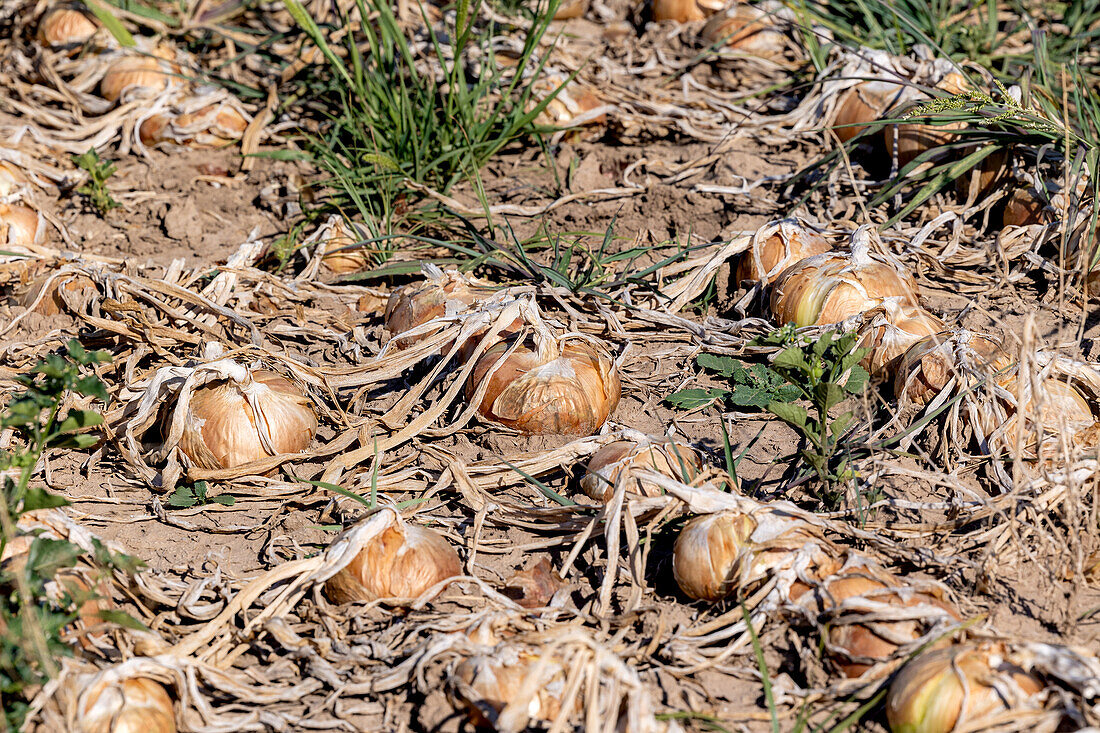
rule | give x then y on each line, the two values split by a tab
393	560
551	387
21	226
746	28
1024	207
828	288
232	422
65	27
776	246
916	138
574	104
442	294
929	364
665	456
342	251
989	174
485	684
685	11
138	75
1060	411
865	103
571	9
53	303
212	126
719	554
890	332
132	705
878	601
958	688
12	180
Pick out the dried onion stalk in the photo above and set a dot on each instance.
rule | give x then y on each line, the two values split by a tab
831	287
546	385
776	246
391	559
960	356
444	293
663	455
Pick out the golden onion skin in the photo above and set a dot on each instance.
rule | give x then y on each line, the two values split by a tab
745	28
892	334
21	226
775	247
144	75
212	126
685	11
1064	408
863	104
496	679
134	705
415	304
670	458
403	561
220	430
65	28
828	288
708	556
1024	207
571	394
948	688
915	138
926	367
52	303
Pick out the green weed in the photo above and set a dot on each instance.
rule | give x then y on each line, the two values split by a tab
95	189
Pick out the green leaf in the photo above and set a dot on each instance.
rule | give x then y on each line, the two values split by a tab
828	394
224	499
111	23
788	412
121	618
47	556
77	441
725	366
183	498
92	386
78	420
39	498
690	399
791	358
857	380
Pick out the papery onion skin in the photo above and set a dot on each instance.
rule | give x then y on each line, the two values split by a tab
52	303
65	27
497	679
209	127
21	226
415	304
685	11
135	705
571	9
863	104
745	28
775	247
12	178
670	458
1024	207
708	555
915	138
572	394
221	432
828	288
888	338
401	562
149	74
1063	408
928	695
926	367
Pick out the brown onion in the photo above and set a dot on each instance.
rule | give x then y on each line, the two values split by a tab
916	138
230	423
485	684
685	11
776	246
21	226
745	28
137	75
211	126
65	27
52	302
927	366
1024	207
571	9
663	455
395	560
863	104
443	293
830	287
892	330
548	387
965	687
133	705
1060	411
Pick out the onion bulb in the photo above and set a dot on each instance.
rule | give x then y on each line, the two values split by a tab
926	368
745	28
990	173
966	687
132	705
719	554
343	254
393	560
232	422
12	180
1024	207
571	9
485	684
776	246
52	302
891	330
65	27
916	138
550	387
877	601
1059	411
137	75
828	288
685	11
863	104
572	105
663	455
444	293
212	126
21	226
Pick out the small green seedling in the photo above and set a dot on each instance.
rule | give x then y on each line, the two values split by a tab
99	172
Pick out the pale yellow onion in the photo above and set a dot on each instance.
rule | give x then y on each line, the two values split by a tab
828	288
745	28
958	688
686	11
21	226
444	293
397	561
915	138
857	646
138	75
663	455
928	365
895	326
776	246
547	388
709	554
1061	411
222	430
342	251
485	684
133	705
65	27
